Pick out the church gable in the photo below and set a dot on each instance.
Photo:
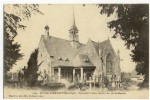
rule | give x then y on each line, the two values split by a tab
96	46
42	51
43	57
91	47
93	56
106	48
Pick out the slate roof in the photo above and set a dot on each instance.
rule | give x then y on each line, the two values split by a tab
60	48
82	60
82	49
65	55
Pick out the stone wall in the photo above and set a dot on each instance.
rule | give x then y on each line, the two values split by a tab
108	49
44	57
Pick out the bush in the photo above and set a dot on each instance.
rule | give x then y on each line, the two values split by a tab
54	86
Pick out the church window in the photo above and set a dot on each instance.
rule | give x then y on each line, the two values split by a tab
109	64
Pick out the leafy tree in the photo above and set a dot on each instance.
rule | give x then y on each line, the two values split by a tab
32	68
11	25
125	77
11	49
132	24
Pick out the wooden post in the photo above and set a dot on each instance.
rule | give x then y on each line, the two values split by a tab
84	77
73	75
90	82
94	79
59	75
78	79
81	74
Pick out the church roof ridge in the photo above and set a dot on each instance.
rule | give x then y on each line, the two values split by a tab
61	39
56	37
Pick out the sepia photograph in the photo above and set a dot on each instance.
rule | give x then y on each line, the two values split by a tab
78	51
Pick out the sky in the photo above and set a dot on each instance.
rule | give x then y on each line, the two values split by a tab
90	23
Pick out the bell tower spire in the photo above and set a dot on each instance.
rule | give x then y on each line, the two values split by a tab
74	23
73	30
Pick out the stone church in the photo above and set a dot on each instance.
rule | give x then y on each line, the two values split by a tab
70	60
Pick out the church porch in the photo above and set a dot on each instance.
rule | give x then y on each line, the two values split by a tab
63	74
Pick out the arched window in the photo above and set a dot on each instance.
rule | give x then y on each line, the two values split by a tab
109	64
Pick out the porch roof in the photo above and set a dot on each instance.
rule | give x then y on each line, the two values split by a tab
62	66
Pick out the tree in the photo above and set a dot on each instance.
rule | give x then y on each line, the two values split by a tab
11	49
125	77
32	68
132	24
11	25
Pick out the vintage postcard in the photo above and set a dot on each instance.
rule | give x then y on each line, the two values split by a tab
90	51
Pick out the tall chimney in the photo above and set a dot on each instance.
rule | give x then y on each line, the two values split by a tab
47	30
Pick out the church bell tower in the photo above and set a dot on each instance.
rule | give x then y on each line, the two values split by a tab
73	32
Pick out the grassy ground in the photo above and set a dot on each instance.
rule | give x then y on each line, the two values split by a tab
43	92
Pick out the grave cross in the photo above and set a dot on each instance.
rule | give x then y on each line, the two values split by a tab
90	83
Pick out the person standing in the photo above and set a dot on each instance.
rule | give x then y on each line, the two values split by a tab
113	82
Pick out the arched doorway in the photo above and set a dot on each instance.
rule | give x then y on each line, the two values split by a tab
109	64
